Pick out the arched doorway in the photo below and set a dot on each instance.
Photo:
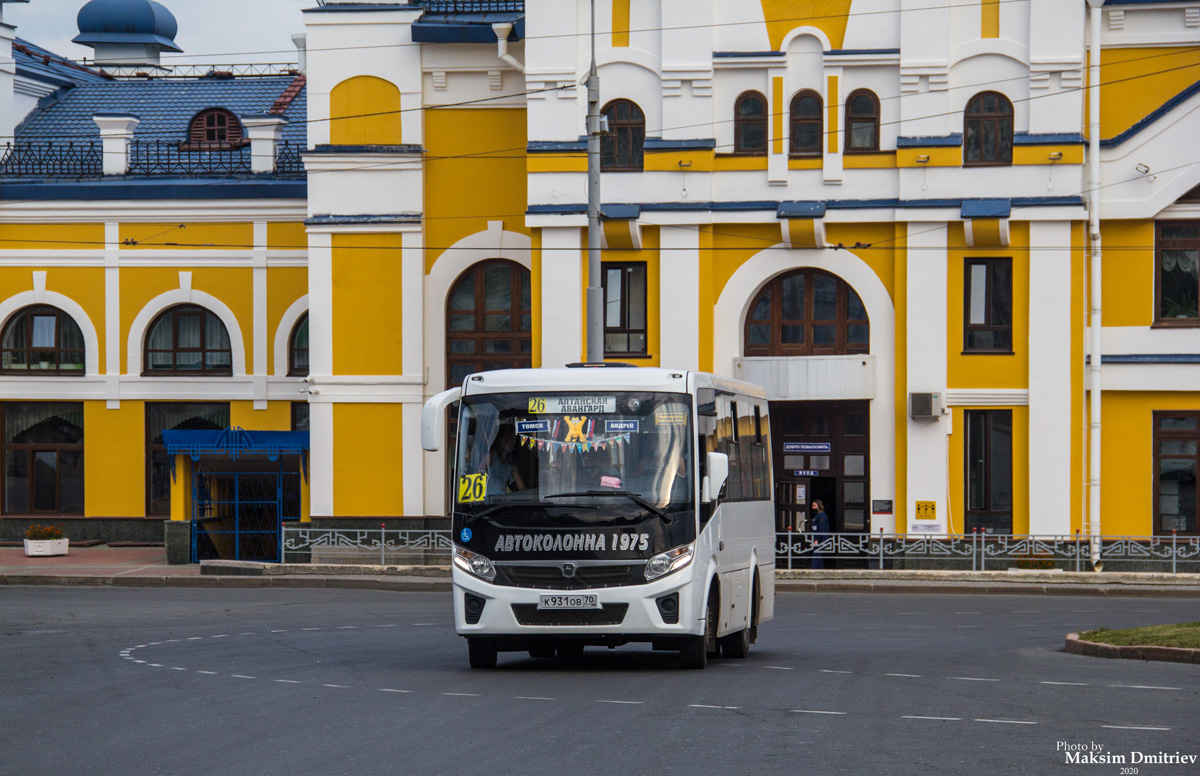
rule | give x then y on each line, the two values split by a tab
489	320
821	448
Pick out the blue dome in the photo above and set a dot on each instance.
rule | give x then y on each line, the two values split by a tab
126	21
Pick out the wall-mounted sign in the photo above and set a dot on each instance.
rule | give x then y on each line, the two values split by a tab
881	507
807	447
806	473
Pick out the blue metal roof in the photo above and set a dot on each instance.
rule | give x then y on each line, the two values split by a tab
234	442
165	107
126	21
37	63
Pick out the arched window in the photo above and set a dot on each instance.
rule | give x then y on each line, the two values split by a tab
298	348
41	340
807	129
488	320
862	121
621	148
750	124
807	312
215	129
988	130
187	340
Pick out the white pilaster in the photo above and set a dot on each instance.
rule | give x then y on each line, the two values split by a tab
320	354
258	261
928	467
112	315
116	133
562	286
1050	419
679	298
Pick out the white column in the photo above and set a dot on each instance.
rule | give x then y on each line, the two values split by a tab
562	293
260	337
8	75
116	133
412	288
1050	420
928	295
112	315
320	354
679	297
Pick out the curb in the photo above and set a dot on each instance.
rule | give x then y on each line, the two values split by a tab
1077	646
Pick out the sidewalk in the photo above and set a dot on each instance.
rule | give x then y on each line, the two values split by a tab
147	567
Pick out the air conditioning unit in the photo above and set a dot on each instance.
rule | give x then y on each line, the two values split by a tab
923	406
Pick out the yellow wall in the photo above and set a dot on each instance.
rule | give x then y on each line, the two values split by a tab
988	370
193	237
1136	81
114	459
485	183
649	254
1127	455
43	237
283	236
620	23
276	417
368	470
365	110
1128	282
234	286
367	314
284	286
783	16
1020	469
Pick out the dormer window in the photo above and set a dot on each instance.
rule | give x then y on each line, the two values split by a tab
215	129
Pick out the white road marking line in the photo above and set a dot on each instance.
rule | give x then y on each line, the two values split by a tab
286	681
310	629
969	626
781	668
347	627
831	671
155	665
220	636
920	626
1133	727
386	626
911	612
208	673
973	679
1141	687
810	711
532	698
1026	611
278	631
626	703
424	624
246	633
242	676
140	646
1007	721
170	641
196	638
968	612
337	686
706	706
177	668
143	662
906	676
389	689
1067	684
940	719
463	694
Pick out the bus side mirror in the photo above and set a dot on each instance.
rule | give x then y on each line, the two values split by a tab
717	466
433	418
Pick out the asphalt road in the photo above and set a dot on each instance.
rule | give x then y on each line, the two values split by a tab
213	681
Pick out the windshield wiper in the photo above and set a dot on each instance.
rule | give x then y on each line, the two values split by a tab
635	498
482	514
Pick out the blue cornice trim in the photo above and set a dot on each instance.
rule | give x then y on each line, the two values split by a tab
545	146
126	189
659	144
947	141
343	7
366	149
844	204
465	28
736	54
36	75
1049	138
800	210
620	212
1151	358
386	218
1151	117
986	208
856	52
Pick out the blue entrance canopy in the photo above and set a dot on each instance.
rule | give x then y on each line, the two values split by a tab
234	442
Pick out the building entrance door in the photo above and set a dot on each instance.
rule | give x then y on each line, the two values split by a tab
822	451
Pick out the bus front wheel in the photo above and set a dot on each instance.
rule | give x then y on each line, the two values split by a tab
695	650
482	652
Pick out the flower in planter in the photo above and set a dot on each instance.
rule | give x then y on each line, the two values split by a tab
43	532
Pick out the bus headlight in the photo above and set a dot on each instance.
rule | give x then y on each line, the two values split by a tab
670	561
474	564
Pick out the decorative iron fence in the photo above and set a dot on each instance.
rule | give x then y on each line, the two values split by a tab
287	159
980	552
474	6
168	157
52	160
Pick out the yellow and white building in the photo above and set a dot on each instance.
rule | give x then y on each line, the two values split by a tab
878	209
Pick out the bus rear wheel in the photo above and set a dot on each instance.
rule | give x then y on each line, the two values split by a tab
482	652
736	645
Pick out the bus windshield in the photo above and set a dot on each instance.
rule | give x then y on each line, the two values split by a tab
561	459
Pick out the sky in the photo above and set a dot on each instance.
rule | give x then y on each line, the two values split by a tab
210	31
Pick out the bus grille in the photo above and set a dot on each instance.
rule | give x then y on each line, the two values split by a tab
551	577
529	614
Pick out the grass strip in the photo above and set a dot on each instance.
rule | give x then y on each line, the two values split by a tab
1185	635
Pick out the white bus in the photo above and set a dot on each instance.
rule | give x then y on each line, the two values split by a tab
600	505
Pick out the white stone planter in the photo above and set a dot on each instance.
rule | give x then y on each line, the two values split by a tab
46	546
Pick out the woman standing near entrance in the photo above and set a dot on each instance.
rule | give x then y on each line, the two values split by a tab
820	530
